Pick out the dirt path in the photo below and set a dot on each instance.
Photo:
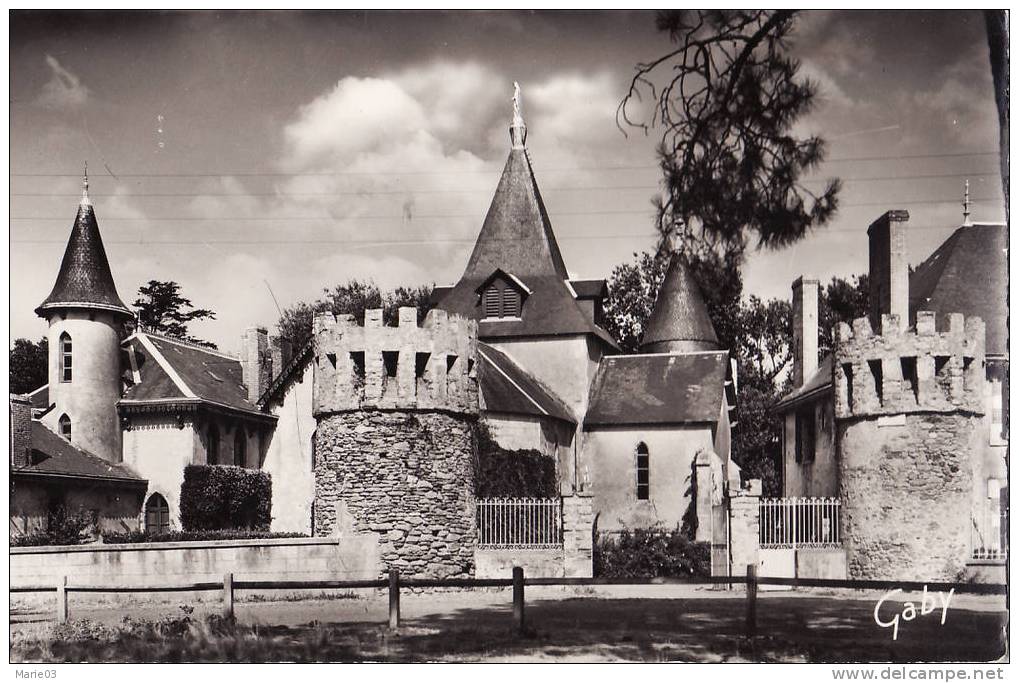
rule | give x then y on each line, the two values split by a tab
614	623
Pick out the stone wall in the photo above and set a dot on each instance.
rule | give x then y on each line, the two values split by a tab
908	407
744	526
350	557
394	446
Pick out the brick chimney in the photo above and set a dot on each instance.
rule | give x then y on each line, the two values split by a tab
282	351
805	290
256	362
889	268
21	430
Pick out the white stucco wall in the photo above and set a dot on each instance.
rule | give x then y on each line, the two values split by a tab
90	398
611	454
288	457
551	437
158	449
820	477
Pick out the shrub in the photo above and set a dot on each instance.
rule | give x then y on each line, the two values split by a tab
211	535
647	553
225	497
62	528
505	473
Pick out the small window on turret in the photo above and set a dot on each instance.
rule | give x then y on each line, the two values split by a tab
876	373
65	357
65	427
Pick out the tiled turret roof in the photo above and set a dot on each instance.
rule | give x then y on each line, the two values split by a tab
84	280
679	321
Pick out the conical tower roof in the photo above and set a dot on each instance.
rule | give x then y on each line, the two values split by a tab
679	321
84	280
517	239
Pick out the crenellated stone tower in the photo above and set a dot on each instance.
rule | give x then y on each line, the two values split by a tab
908	407
394	446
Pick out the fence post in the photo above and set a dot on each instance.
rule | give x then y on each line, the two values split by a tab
518	599
751	600
62	600
228	595
394	599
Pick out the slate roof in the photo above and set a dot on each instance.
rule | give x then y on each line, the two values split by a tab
818	383
40	398
54	456
517	238
590	289
967	274
666	388
508	388
84	280
680	314
203	374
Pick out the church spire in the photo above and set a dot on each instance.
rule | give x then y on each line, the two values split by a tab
518	130
679	321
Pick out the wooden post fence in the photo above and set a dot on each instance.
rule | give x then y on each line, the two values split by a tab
394	599
228	595
62	600
751	600
518	599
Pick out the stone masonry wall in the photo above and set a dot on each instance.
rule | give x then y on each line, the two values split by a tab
406	476
908	414
394	445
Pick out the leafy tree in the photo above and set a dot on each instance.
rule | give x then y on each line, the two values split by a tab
29	365
162	308
727	98
354	297
841	301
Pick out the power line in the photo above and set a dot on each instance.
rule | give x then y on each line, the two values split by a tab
362	193
491	172
400	217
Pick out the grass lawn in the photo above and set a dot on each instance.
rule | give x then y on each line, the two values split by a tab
701	627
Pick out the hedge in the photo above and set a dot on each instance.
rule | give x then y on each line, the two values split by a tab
215	497
62	528
504	473
648	553
176	536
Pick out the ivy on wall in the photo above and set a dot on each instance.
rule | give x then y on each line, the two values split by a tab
225	497
505	473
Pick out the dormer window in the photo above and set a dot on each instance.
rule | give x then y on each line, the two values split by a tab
502	296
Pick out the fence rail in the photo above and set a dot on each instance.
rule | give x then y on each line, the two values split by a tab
520	522
800	522
394	582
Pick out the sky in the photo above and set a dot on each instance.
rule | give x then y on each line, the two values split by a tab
258	157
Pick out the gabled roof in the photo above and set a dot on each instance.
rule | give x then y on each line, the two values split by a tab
967	274
280	381
517	238
54	456
508	388
665	388
679	321
84	280
170	369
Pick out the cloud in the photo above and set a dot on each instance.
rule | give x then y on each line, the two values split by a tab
63	90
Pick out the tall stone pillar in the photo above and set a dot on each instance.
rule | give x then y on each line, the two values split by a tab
744	526
578	535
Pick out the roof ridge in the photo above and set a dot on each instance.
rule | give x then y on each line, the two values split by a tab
184	342
167	367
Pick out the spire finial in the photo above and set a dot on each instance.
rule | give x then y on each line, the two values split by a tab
965	205
84	188
518	131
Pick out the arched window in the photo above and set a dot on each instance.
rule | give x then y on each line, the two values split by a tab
643	472
212	451
240	447
157	515
65	427
65	357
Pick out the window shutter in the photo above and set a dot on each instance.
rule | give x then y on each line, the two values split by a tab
510	303
492	302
